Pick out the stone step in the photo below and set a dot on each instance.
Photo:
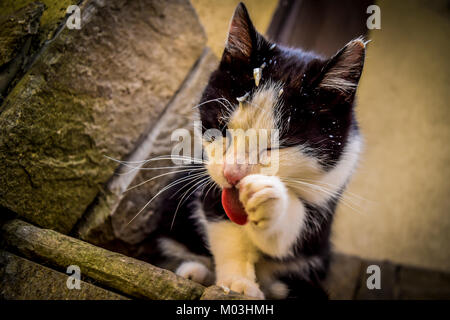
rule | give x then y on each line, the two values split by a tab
22	279
130	276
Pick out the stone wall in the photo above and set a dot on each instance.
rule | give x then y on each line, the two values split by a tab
71	100
91	93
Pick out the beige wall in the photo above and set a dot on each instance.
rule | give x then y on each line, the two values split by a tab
404	114
400	194
215	16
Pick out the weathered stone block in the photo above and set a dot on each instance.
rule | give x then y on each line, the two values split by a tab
53	15
92	92
108	220
112	270
17	32
21	279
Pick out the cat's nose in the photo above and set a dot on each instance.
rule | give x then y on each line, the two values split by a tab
235	172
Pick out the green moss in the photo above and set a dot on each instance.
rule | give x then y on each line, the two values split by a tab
22	279
89	94
130	276
50	166
16	28
53	15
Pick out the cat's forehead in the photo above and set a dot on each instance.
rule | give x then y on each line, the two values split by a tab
296	68
259	111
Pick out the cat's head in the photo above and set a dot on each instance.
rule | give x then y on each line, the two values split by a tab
261	85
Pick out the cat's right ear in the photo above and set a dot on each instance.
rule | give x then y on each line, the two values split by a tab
242	36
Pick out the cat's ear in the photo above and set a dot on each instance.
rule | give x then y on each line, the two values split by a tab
242	36
343	71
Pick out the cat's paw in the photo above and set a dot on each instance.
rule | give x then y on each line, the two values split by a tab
195	271
278	290
241	285
265	199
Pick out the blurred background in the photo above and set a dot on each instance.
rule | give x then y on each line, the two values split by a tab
70	97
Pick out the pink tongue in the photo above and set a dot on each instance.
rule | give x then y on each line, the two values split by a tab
233	207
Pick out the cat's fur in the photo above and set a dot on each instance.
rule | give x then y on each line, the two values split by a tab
284	248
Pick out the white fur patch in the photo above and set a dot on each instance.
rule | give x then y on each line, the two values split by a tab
235	257
195	271
278	290
279	215
308	180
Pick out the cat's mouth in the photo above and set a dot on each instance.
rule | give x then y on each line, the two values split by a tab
233	206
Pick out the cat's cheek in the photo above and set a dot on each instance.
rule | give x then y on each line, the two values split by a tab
215	171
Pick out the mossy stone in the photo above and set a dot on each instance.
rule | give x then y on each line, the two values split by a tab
92	92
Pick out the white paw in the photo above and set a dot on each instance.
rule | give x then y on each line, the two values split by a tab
278	290
265	199
193	270
241	285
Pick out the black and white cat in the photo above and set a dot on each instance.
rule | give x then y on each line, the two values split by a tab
279	246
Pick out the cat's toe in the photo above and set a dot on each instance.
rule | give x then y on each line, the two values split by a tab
278	290
243	286
264	199
248	288
194	271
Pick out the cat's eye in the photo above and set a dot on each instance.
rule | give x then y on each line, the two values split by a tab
274	148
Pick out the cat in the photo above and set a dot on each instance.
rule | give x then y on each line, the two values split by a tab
277	245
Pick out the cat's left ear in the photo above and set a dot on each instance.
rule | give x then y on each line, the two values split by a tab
343	71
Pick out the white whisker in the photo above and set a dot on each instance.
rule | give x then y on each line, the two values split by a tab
201	181
176	182
161	175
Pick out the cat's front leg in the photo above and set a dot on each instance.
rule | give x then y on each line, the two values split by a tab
234	257
276	215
